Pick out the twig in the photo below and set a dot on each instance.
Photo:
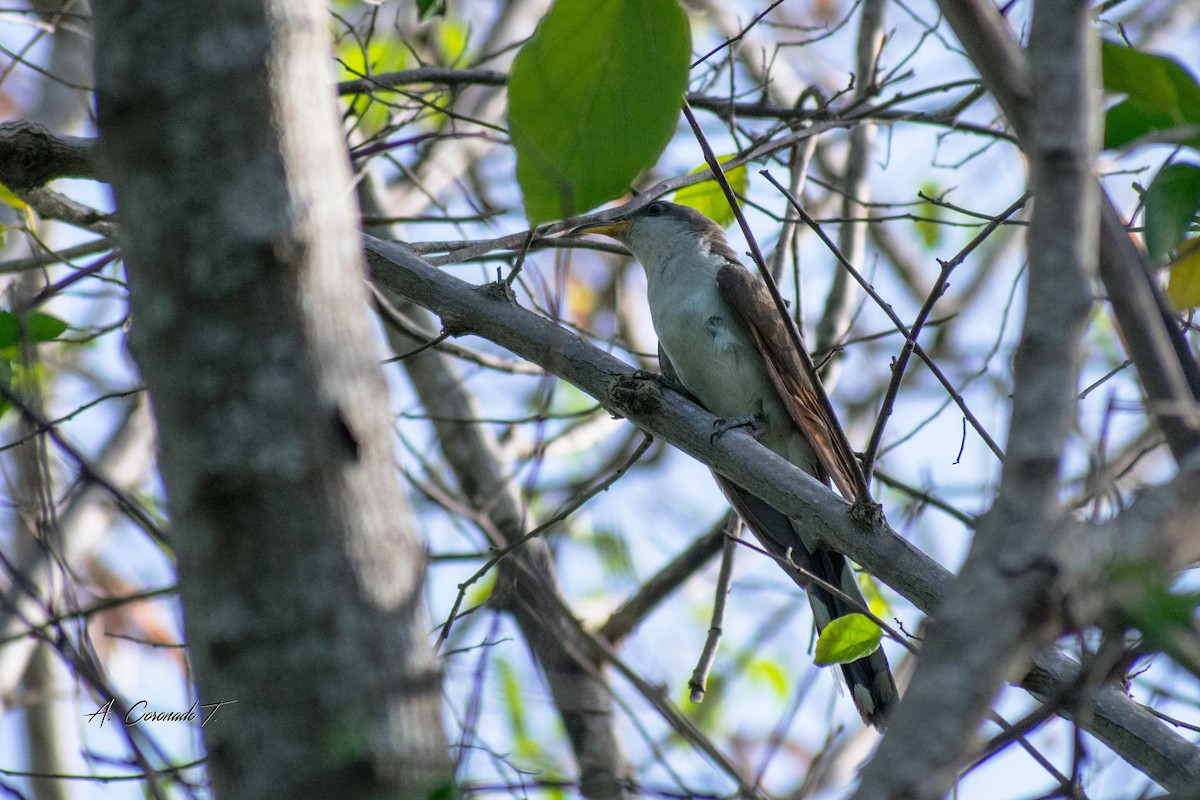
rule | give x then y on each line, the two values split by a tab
127	504
910	341
734	39
699	679
562	514
887	309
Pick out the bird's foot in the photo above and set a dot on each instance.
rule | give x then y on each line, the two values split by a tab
867	513
640	392
756	425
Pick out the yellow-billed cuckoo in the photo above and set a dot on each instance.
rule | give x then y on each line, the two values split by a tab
721	339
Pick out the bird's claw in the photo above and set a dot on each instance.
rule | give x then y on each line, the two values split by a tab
755	423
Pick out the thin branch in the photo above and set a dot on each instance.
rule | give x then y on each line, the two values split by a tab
910	341
698	683
887	309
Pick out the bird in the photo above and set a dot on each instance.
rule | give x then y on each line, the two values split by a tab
723	342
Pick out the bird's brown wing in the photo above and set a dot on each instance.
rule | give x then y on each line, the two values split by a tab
870	679
792	374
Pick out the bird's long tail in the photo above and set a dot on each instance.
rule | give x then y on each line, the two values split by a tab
870	679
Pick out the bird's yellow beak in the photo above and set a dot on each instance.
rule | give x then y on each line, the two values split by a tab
610	227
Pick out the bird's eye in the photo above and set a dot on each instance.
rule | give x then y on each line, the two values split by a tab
654	209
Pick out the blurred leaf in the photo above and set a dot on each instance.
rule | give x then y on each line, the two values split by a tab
706	715
876	602
1150	605
1183	284
9	199
593	99
708	198
614	553
1160	95
570	399
1126	122
6	379
1155	83
480	591
770	673
583	301
382	54
26	211
1171	203
452	39
927	226
38	327
26	378
512	696
429	8
847	639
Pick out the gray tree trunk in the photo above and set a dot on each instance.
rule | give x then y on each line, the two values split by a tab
300	573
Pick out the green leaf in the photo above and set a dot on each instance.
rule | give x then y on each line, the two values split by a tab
10	199
452	38
614	553
1171	204
847	639
593	99
928	226
1183	284
24	209
428	8
770	673
6	379
38	327
1151	606
707	196
382	54
1161	95
481	590
1126	122
512	694
876	602
444	791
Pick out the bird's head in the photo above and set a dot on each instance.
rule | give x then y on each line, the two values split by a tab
662	231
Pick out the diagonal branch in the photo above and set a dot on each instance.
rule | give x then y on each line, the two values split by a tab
1114	717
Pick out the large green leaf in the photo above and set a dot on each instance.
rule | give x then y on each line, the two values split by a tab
847	639
38	327
1161	95
1171	204
1127	122
593	99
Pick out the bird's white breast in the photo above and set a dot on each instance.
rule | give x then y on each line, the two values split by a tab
711	352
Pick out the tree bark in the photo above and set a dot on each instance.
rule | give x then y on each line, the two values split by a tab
299	569
1010	576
